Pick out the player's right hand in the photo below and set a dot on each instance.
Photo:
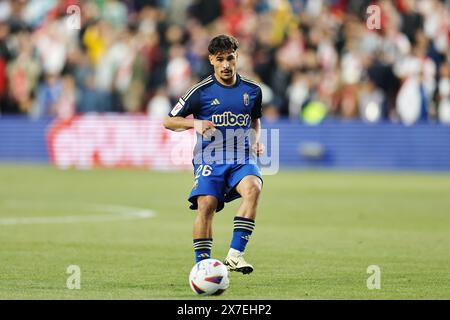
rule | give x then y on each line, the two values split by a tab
204	127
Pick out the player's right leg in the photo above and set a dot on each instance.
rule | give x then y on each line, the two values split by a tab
202	232
207	197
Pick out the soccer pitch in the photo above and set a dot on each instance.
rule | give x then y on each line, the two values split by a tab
129	231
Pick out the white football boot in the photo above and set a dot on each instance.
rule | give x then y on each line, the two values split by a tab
236	262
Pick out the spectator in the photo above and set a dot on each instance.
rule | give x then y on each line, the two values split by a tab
48	93
23	73
371	102
160	105
65	105
93	99
444	93
178	72
5	56
129	56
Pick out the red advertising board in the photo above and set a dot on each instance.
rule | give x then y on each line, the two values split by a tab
112	141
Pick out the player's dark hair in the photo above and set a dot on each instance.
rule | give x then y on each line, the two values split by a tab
222	43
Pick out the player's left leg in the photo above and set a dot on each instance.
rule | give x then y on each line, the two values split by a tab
249	189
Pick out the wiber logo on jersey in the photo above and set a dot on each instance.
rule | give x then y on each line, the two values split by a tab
230	119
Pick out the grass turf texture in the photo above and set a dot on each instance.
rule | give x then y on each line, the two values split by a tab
316	234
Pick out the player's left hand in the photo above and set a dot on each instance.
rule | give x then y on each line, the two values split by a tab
258	148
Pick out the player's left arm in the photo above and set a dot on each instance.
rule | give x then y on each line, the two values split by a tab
257	147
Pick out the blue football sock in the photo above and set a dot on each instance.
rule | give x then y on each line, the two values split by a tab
243	229
202	249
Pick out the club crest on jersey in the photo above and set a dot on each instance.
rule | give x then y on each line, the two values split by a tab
230	119
246	99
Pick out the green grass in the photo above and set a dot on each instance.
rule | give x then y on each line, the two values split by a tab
316	234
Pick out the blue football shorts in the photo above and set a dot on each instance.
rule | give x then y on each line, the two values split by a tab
220	181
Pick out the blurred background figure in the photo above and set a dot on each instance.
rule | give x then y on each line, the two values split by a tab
313	58
443	94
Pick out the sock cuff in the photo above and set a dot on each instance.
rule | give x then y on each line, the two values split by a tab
202	239
203	244
244	224
243	219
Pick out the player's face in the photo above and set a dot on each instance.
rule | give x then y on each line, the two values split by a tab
224	64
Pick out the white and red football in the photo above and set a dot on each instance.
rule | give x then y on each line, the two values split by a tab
209	277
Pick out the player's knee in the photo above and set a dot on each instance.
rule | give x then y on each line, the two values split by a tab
251	190
206	205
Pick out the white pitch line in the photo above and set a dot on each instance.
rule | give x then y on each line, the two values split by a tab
116	213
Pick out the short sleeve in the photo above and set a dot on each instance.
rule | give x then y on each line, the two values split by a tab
257	106
184	108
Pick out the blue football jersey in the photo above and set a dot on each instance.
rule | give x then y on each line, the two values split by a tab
230	108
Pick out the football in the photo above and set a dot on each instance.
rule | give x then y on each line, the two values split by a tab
209	277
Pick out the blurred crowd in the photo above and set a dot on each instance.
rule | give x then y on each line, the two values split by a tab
315	59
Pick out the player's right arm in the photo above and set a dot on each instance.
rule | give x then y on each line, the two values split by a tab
181	124
189	104
178	123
